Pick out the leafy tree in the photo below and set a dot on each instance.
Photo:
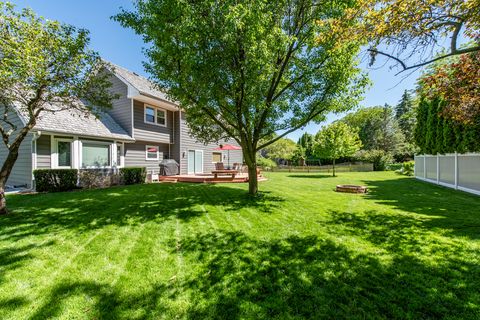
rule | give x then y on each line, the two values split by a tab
455	82
306	142
43	65
336	141
377	128
247	69
280	149
412	33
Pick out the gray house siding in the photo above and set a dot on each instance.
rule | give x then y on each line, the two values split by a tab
135	155
22	170
188	142
150	132
121	110
176	139
44	152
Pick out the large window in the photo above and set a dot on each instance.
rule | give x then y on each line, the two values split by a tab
95	155
216	157
64	153
155	116
152	153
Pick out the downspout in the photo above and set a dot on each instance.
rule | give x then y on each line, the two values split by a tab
35	137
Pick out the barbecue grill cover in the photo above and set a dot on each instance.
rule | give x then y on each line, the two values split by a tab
169	167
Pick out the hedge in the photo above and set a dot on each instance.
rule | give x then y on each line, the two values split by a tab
436	134
133	175
55	180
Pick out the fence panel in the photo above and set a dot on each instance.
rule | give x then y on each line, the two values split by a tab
469	171
459	171
420	166
431	167
446	169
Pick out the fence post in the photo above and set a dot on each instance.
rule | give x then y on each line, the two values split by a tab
456	170
438	168
424	167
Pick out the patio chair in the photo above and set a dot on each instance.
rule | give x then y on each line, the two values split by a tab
219	166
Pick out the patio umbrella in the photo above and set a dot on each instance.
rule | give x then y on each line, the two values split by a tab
228	147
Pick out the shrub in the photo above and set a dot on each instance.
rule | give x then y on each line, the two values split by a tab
379	158
265	163
133	175
55	180
98	178
407	168
394	166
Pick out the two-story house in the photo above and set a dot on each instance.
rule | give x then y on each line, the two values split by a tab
142	128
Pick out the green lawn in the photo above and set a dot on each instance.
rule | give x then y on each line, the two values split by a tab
405	250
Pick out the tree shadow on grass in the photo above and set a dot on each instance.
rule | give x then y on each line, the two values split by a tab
125	205
457	213
237	276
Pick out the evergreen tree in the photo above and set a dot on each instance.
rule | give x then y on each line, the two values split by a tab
405	116
449	141
421	127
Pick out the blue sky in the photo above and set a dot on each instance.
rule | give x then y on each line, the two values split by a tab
123	47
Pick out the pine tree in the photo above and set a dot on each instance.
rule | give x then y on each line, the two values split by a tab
421	127
405	116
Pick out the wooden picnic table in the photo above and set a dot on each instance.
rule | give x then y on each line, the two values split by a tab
216	173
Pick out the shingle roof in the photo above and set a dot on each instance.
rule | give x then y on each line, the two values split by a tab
142	84
82	123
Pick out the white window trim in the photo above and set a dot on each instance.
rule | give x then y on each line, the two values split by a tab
156	109
104	143
220	157
146	153
55	153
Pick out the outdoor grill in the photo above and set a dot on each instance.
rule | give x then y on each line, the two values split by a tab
169	167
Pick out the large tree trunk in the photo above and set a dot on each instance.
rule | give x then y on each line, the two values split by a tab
5	173
251	161
252	179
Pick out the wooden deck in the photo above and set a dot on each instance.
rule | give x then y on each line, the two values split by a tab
208	178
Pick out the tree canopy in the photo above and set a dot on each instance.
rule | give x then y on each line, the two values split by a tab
45	66
377	128
336	141
246	70
456	81
281	149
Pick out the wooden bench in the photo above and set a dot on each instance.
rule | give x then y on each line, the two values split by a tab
216	173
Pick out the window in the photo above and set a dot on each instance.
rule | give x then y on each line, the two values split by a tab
119	155
64	149
149	115
95	155
155	116
152	153
217	157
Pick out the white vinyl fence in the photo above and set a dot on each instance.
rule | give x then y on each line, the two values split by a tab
457	171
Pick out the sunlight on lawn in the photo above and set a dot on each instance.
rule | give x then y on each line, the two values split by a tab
407	249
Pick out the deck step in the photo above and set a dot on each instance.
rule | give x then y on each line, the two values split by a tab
168	180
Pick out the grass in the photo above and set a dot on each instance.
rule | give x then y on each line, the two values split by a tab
405	250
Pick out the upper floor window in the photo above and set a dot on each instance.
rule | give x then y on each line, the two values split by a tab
155	116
